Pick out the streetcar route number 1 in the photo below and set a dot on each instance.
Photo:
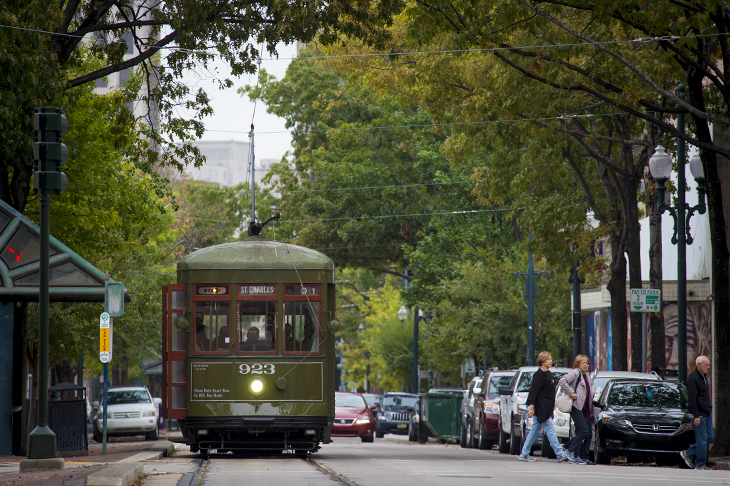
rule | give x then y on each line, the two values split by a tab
256	369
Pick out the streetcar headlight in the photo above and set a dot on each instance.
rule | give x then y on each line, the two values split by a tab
257	386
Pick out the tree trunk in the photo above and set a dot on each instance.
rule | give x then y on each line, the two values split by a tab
656	276
617	289
630	189
65	373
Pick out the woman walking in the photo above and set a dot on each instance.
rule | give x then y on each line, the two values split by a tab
541	400
579	386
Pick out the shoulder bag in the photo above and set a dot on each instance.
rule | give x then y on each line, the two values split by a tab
565	401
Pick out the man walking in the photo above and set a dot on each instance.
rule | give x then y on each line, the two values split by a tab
700	407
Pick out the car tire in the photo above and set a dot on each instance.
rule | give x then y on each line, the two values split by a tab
514	444
367	438
546	449
154	435
482	442
502	443
379	434
462	438
97	435
412	432
470	435
598	456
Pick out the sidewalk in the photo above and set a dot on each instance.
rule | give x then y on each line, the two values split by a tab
121	466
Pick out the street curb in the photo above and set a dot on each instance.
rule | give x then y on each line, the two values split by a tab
127	471
720	465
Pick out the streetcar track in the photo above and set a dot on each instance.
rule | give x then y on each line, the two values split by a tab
324	469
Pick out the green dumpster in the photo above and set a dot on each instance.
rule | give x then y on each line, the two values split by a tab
439	416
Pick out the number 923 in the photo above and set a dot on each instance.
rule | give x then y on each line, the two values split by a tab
256	369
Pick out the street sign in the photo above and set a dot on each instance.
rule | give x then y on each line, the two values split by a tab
469	366
645	300
105	338
114	298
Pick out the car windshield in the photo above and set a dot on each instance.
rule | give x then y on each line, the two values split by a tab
659	395
128	396
352	401
496	382
371	398
399	401
523	385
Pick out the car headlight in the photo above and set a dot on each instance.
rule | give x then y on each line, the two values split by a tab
363	420
616	422
490	408
381	416
149	413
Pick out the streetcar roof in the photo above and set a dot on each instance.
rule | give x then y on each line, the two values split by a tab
256	252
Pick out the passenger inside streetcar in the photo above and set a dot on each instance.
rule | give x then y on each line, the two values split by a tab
202	343
224	339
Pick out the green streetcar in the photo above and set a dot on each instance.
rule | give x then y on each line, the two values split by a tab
249	347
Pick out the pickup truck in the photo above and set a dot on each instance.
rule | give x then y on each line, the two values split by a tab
512	404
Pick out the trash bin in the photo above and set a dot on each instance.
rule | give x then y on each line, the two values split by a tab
440	416
67	419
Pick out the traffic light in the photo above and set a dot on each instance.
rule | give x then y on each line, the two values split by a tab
48	151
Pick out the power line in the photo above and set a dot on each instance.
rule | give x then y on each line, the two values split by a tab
331	189
352	218
639	40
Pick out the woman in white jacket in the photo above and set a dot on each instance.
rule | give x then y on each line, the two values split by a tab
579	385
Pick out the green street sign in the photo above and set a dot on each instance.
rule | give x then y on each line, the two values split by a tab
645	300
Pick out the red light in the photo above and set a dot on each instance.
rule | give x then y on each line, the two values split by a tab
17	257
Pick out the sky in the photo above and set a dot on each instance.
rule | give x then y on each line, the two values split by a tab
233	114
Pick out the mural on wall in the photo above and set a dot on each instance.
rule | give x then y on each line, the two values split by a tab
699	333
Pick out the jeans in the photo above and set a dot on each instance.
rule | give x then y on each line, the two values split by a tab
582	439
704	434
549	431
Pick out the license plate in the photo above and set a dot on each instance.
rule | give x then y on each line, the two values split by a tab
402	426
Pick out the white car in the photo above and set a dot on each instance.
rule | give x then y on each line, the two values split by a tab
130	411
564	427
512	405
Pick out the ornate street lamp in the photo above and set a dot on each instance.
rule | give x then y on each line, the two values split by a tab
402	313
660	166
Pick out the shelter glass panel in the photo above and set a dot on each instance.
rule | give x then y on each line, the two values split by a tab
256	326
23	248
65	275
301	327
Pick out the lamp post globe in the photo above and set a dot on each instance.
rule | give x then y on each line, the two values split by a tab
402	313
695	167
660	164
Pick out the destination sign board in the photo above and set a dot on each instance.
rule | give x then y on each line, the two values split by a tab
212	290
256	289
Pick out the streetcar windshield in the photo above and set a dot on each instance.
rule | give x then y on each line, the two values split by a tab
256	320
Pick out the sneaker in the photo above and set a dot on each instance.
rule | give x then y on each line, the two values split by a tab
687	459
526	458
588	462
704	467
563	458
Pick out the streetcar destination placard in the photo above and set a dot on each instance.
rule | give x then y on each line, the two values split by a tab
256	290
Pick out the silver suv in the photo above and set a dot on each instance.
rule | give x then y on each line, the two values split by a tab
512	404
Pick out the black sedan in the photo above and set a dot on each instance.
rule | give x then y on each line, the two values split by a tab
642	419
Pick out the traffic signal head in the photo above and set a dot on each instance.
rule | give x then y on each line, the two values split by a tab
48	151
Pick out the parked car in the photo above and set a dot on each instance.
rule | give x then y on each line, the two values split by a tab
642	419
467	411
131	411
485	427
564	427
372	399
394	413
353	417
512	404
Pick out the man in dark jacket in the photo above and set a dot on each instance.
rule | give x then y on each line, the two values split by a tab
541	402
700	407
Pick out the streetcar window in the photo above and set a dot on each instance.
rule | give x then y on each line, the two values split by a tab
211	326
301	327
256	322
